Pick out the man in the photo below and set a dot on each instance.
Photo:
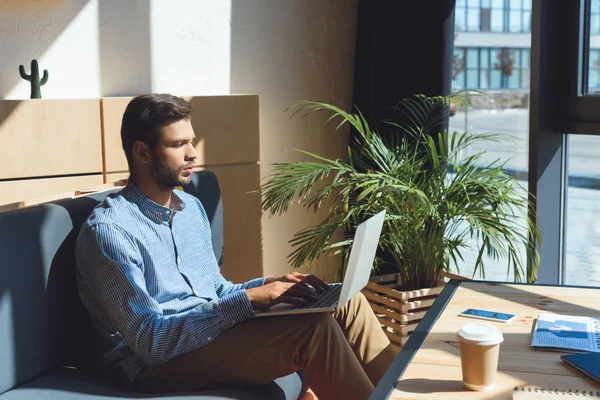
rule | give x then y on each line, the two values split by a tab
170	322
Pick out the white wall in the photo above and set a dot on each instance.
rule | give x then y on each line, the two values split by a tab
191	46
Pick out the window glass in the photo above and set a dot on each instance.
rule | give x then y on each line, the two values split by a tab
472	58
496	79
525	57
593	66
525	77
527	21
484	58
460	23
595	17
484	80
472	81
515	4
514	80
497	20
515	57
514	21
473	20
458	83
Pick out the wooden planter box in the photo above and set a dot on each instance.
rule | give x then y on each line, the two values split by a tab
399	312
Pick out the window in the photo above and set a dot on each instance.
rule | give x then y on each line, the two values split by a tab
512	16
582	226
497	16
458	68
474	15
583	207
472	69
595	17
593	41
467	16
490	68
525	70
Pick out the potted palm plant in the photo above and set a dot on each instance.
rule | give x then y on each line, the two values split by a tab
438	202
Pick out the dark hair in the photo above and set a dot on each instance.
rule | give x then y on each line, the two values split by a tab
146	116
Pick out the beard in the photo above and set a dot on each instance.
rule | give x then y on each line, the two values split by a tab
165	177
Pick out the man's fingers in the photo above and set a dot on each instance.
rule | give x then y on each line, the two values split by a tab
317	283
301	293
304	287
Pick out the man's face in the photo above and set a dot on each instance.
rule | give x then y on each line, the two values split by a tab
174	156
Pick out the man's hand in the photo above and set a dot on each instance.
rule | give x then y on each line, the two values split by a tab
280	292
296	277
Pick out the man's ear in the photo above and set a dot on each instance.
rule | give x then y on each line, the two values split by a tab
141	152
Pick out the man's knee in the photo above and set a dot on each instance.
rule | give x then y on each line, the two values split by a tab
323	320
360	298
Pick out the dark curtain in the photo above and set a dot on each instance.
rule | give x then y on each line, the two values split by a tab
403	47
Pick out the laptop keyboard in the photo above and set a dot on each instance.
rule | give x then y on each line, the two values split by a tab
326	299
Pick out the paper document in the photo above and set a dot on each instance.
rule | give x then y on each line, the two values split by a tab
566	332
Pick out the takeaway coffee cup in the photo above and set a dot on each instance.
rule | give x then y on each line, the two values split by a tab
479	349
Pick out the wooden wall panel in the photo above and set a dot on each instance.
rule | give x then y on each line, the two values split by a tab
112	114
242	259
49	137
32	189
227	128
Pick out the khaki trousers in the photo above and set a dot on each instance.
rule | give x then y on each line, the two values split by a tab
342	355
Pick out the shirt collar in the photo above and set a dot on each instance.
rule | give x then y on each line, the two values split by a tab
149	208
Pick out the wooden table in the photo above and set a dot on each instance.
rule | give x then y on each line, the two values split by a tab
428	366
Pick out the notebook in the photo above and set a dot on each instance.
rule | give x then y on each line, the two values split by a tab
537	393
566	333
588	364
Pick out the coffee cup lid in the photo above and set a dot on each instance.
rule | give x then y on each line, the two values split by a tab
481	332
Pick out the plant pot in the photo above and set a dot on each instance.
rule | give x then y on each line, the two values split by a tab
399	312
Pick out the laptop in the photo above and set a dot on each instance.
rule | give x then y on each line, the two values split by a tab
362	255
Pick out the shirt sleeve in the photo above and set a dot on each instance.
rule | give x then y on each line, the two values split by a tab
224	287
111	267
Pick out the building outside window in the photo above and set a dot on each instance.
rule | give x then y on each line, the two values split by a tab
595	17
490	68
468	15
512	16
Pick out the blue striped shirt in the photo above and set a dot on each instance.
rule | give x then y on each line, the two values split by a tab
148	276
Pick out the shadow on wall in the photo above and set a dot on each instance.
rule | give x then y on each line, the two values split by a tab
125	52
286	52
27	29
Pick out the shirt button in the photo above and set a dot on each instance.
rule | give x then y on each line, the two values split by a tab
168	212
178	260
209	338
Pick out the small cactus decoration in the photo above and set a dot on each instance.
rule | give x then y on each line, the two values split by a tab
34	78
